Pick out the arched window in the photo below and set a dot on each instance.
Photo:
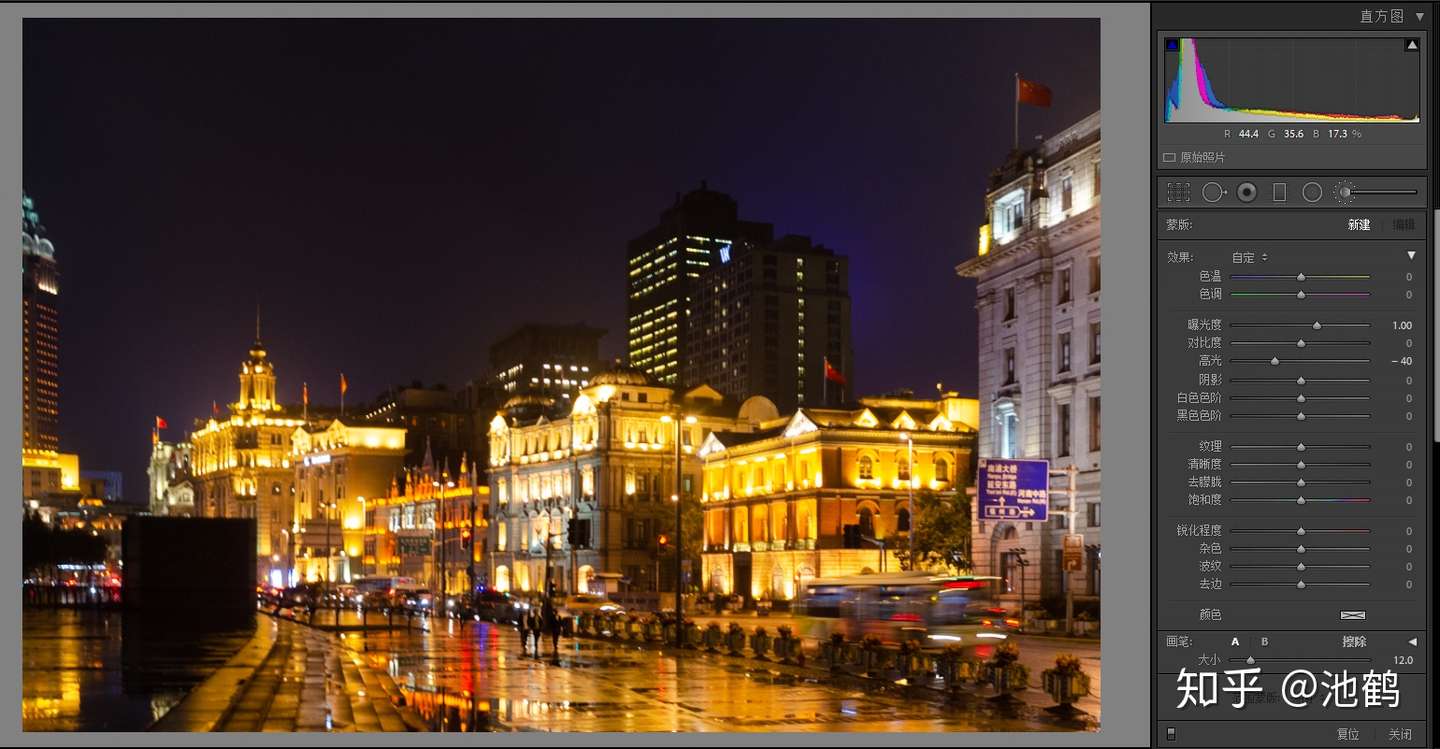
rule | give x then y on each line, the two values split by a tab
902	521
867	467
867	523
942	470
904	469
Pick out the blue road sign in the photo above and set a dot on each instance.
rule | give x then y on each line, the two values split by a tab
1014	489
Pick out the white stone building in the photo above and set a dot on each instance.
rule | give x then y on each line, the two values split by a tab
1037	275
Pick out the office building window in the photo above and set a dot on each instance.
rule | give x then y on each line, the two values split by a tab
1095	423
1062	430
1009	366
867	467
1062	347
1092	514
903	470
1066	192
1094	273
1062	286
1094	343
1010	304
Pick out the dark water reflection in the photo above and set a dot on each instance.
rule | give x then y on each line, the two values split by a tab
106	670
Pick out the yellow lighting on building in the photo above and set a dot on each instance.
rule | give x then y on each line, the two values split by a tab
984	240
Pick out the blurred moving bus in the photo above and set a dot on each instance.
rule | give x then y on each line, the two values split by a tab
936	610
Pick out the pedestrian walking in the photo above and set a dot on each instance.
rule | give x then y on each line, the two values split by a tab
552	624
536	624
524	630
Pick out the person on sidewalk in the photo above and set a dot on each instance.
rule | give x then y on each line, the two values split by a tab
536	624
552	625
524	631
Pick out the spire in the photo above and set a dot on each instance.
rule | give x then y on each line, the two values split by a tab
257	324
429	462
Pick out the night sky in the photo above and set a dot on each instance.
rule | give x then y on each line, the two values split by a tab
397	194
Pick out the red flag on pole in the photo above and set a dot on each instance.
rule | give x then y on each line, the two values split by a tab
832	373
305	393
1032	93
343	385
160	423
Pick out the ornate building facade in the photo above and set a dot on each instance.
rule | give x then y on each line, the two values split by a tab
604	466
1037	275
777	499
170	490
430	527
340	466
241	464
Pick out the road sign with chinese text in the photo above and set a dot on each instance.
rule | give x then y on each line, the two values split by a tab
1014	489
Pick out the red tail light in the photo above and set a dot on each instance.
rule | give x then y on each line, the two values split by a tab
905	618
1012	622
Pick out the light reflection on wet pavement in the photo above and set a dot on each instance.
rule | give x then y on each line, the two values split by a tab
94	670
605	686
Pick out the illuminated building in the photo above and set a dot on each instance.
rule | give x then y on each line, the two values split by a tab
419	530
434	419
170	490
663	266
604	463
1037	274
777	500
41	335
241	462
554	360
764	320
48	478
340	465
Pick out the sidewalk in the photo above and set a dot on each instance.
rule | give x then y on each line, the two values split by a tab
293	678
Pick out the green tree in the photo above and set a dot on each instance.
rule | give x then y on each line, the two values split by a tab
941	529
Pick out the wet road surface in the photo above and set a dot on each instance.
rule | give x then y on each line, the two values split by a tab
477	667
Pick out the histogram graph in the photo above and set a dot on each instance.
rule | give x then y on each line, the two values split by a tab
1255	80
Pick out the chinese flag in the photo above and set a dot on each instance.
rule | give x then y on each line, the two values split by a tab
343	385
1030	92
160	423
832	373
305	393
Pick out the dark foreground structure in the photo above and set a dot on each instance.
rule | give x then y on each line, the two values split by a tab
190	565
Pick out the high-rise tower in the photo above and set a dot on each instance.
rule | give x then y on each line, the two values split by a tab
41	356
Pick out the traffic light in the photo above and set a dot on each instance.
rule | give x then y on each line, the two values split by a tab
662	544
466	537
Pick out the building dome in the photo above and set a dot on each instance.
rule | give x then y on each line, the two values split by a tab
623	376
527	400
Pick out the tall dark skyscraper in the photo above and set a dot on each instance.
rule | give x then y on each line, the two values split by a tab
41	319
702	229
765	319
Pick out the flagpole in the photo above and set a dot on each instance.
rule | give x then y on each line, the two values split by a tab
1017	111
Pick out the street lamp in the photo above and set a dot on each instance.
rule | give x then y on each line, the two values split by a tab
910	490
679	546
